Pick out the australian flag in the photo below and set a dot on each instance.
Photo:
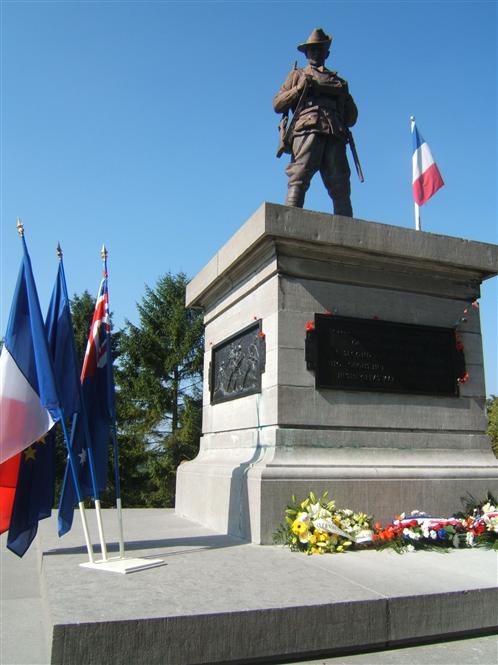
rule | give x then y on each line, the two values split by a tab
90	432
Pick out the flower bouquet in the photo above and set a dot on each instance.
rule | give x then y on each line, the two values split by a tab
481	524
316	526
419	531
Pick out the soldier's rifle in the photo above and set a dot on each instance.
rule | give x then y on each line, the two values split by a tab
286	131
356	159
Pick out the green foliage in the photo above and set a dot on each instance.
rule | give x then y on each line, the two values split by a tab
82	308
159	378
492	410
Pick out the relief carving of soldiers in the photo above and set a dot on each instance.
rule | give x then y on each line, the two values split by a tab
319	131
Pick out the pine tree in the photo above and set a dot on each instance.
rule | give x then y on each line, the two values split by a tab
160	378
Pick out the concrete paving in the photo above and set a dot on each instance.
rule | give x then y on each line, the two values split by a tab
217	599
24	630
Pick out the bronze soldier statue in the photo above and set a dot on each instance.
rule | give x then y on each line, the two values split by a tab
319	131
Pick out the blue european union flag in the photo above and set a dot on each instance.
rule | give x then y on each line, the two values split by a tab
35	493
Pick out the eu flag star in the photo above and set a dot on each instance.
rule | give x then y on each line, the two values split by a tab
29	454
82	456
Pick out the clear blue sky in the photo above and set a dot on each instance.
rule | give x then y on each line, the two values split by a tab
149	126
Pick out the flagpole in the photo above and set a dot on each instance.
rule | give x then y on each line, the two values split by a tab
416	206
81	503
417	217
110	383
96	497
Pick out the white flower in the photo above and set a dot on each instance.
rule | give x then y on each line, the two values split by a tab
410	548
469	538
488	508
425	530
316	511
414	535
433	534
303	517
347	512
491	523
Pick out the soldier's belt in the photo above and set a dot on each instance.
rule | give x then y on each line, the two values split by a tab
321	103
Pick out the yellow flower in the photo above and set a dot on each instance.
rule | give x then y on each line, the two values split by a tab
299	528
313	538
347	543
316	550
339	548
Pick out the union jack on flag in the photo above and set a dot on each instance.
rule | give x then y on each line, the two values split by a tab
98	339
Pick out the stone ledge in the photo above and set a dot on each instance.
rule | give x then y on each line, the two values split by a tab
325	236
220	600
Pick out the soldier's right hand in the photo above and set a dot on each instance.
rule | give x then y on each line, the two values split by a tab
302	82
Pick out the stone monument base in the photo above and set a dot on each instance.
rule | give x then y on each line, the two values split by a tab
267	436
219	600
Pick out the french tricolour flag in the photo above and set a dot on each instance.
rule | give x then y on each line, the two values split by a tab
426	177
29	404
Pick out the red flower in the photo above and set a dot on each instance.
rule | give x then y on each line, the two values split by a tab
464	378
475	304
310	325
261	334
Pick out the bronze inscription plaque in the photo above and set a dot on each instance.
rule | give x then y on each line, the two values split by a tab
368	354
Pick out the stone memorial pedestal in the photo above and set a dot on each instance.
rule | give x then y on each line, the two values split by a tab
270	430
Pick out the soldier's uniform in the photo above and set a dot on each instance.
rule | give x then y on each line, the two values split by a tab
320	132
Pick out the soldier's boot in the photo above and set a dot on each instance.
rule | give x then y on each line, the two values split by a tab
343	207
339	190
295	197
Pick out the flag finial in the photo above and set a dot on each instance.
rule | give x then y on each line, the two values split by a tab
20	227
58	251
103	253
